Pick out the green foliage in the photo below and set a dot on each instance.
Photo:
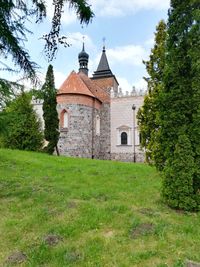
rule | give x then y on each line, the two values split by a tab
179	111
22	126
148	120
170	118
178	173
50	114
15	14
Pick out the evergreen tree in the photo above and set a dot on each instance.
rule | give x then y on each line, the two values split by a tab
23	129
14	16
50	114
148	113
179	109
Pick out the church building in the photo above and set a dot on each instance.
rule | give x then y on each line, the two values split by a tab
96	120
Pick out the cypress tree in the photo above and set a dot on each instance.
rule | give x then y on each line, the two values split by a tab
147	115
50	114
179	110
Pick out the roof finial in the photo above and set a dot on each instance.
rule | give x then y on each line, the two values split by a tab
83	43
104	40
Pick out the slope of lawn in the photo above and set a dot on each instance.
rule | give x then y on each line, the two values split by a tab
57	211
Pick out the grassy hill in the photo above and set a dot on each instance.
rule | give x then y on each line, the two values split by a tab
57	211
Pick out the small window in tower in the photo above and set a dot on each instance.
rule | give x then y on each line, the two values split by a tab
124	138
65	120
97	125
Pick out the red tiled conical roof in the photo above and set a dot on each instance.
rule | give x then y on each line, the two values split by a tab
74	85
98	92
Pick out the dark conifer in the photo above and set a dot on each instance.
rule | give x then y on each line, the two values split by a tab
50	114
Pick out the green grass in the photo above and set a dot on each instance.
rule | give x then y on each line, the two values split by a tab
104	213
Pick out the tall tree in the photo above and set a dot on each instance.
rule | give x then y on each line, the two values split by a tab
23	129
14	15
179	132
148	120
50	115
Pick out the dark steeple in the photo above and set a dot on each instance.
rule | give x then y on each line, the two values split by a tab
103	70
83	60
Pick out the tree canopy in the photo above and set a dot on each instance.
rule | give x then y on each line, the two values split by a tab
148	119
172	107
23	129
14	15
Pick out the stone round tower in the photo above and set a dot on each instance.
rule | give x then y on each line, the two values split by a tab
78	109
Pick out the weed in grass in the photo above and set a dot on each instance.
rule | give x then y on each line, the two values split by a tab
147	211
143	256
180	263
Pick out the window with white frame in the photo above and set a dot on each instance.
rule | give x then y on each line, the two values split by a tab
124	135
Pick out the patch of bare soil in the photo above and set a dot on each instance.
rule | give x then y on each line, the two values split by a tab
72	205
109	234
142	229
73	256
16	257
52	240
192	264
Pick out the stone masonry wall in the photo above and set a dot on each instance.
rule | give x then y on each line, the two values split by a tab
105	141
76	140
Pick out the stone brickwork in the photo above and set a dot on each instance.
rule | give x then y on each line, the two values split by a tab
76	140
80	139
105	128
128	157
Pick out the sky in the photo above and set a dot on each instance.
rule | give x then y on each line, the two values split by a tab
128	27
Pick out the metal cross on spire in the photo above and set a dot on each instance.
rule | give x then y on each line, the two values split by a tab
104	41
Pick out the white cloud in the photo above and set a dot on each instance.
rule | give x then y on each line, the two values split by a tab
128	55
59	78
150	42
76	40
114	8
121	8
140	85
126	85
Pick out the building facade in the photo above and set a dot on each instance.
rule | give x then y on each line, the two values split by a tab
96	119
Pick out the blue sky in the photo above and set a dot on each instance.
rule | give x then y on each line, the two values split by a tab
128	27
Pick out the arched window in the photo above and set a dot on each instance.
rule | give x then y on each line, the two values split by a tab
65	120
124	138
97	125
